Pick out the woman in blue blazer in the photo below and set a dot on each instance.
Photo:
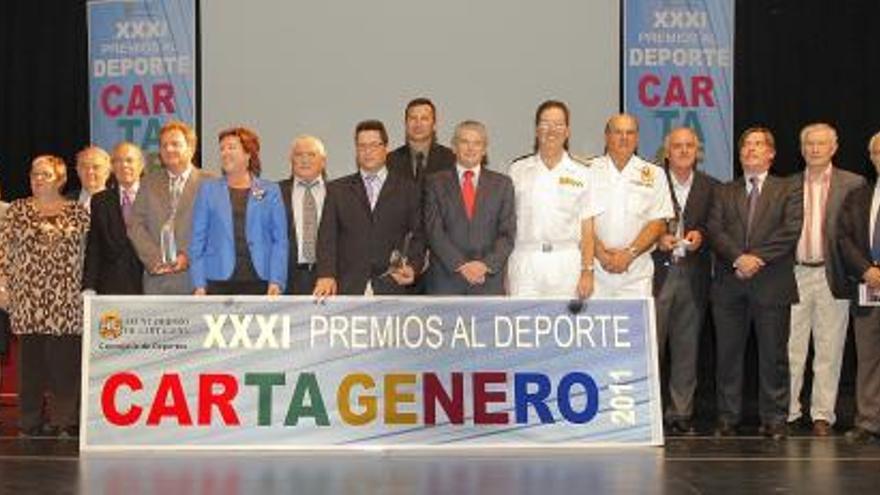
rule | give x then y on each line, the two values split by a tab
239	239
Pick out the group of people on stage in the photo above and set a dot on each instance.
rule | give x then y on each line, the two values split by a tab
787	255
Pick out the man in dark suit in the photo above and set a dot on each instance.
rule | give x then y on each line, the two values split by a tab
682	267
470	220
303	194
820	316
859	243
111	263
367	217
421	156
754	225
93	170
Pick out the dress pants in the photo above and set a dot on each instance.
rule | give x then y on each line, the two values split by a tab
826	318
636	282
866	324
303	281
735	309
679	321
49	362
533	273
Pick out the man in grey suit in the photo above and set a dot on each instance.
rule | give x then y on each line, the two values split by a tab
163	209
754	226
823	310
682	267
470	220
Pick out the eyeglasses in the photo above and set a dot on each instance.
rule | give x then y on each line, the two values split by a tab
546	126
370	146
42	175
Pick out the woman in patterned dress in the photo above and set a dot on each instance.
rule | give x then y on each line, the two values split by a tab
41	257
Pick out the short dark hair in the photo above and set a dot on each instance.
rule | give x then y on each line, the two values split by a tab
417	102
546	105
768	136
371	125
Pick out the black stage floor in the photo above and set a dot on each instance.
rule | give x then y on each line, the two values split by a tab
745	464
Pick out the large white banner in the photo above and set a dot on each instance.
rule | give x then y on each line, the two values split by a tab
248	372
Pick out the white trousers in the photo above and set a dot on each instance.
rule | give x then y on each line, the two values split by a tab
637	282
534	273
825	318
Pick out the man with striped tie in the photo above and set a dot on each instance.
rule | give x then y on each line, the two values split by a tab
303	194
111	264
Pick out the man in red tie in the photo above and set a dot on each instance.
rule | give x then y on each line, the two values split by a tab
111	264
470	220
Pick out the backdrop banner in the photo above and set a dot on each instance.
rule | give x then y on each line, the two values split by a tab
142	67
678	71
215	372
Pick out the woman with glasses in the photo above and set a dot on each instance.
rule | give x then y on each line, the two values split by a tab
41	259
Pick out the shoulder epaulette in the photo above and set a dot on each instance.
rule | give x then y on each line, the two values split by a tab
586	161
523	157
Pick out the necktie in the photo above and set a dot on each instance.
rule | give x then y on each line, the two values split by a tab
753	202
176	185
309	222
126	206
468	193
875	241
371	181
420	164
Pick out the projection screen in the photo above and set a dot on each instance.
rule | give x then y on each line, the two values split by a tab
290	68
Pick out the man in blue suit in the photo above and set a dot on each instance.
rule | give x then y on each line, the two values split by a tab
239	239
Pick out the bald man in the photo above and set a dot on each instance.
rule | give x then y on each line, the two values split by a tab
638	207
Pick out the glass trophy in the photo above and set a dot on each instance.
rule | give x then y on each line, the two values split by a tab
168	244
398	258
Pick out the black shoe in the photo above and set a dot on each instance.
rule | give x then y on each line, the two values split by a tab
799	425
774	431
39	431
725	429
682	428
32	432
69	432
860	435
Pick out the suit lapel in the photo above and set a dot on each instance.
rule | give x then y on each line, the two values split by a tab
359	191
454	196
164	195
835	198
114	209
287	196
483	190
385	194
767	193
695	196
742	202
189	189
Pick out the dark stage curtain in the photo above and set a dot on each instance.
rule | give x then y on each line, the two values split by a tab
44	98
801	61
